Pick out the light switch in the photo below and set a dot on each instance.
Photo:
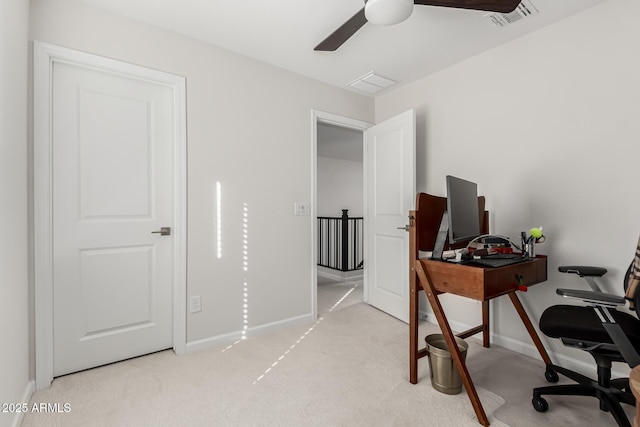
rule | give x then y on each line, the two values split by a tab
195	304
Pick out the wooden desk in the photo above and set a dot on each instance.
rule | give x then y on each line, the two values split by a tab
482	284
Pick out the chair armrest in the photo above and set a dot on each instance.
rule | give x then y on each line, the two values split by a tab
583	270
599	298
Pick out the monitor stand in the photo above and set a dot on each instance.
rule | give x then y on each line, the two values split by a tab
441	238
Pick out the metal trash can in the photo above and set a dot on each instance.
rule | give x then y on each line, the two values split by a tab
444	374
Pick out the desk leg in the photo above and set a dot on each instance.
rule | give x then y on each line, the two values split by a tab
413	326
485	324
527	324
451	344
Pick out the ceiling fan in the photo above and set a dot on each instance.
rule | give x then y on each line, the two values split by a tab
389	12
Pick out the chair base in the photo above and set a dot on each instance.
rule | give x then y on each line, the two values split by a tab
609	392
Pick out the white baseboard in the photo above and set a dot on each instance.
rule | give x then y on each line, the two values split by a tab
26	397
225	339
528	349
340	276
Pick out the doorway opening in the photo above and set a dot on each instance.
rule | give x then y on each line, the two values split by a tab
338	253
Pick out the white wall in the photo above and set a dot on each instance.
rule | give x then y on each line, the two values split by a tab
14	318
340	187
548	127
249	128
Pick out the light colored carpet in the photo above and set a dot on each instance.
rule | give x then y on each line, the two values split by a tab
349	368
334	295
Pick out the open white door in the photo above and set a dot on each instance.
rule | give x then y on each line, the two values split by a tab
390	192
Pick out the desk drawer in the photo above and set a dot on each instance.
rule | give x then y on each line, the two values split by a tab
483	283
499	281
463	280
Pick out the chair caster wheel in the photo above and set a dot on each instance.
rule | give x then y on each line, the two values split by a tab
551	376
539	404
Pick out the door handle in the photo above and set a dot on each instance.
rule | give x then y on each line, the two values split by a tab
164	231
408	226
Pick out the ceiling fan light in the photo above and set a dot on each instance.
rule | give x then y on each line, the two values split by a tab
387	12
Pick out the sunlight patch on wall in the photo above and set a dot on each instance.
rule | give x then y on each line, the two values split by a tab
245	281
219	219
245	238
245	252
245	310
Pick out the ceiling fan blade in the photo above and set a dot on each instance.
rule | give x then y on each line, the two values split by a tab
343	33
502	6
357	21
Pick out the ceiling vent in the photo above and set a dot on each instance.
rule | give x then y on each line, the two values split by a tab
371	83
525	9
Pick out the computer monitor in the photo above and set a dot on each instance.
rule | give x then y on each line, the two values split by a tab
461	220
462	208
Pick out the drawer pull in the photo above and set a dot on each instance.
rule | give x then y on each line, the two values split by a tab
521	287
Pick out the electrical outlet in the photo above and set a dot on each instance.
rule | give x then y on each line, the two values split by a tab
195	305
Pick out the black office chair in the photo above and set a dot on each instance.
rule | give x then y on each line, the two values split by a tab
607	334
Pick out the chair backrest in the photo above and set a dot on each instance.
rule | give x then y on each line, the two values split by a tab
428	212
634	294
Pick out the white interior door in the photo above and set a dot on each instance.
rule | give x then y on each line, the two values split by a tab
112	168
390	194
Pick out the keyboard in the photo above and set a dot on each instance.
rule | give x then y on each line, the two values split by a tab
499	260
500	255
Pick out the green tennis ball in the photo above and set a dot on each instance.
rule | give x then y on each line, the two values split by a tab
536	233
